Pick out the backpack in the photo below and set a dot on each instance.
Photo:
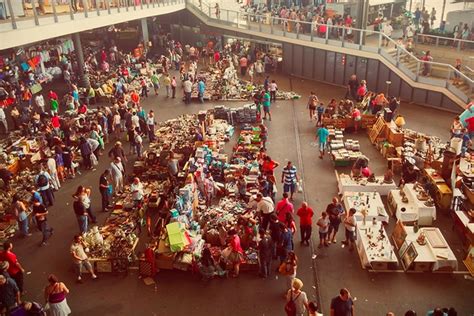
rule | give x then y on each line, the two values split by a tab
42	180
290	306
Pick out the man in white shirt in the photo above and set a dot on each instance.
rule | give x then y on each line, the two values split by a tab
350	225
387	31
116	170
80	258
135	121
272	87
3	120
39	100
51	163
265	207
187	88
136	188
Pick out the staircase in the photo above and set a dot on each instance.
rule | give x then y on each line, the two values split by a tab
437	71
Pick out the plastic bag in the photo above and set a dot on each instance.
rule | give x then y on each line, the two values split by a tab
299	187
94	160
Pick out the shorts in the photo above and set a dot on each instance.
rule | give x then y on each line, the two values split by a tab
323	235
289	188
236	257
350	235
80	266
266	109
322	146
334	226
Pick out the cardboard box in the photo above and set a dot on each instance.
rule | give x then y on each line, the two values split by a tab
165	261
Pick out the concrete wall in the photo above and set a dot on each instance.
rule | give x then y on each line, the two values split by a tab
336	68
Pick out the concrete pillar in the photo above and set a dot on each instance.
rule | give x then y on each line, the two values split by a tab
146	37
83	76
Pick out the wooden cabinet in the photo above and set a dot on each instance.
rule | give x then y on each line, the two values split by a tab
394	137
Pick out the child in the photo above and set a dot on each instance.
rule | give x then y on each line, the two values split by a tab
320	111
323	223
313	309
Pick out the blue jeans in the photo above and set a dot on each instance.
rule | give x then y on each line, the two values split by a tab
47	231
23	225
48	197
83	220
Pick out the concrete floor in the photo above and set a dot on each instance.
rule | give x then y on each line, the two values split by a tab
290	138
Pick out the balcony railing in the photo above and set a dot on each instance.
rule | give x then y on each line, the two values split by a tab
61	10
432	73
443	41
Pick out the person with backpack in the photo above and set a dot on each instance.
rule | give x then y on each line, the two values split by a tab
296	300
43	180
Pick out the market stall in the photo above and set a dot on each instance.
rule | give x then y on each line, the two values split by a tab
369	203
112	245
222	83
412	203
434	253
347	183
343	151
196	219
374	247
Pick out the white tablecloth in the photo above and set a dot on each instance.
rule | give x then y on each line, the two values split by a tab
346	183
414	208
427	253
366	200
372	250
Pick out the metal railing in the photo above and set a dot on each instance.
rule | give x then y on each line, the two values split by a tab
444	41
428	72
60	10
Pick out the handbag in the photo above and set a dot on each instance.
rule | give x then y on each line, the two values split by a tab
109	189
282	268
94	160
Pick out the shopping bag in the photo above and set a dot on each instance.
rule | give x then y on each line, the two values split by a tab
109	189
94	160
299	187
36	88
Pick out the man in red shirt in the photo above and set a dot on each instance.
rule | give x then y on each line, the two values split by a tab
305	214
135	97
52	95
217	57
14	267
268	166
56	122
283	207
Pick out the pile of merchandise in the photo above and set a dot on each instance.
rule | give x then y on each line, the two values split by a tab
193	224
224	84
343	151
